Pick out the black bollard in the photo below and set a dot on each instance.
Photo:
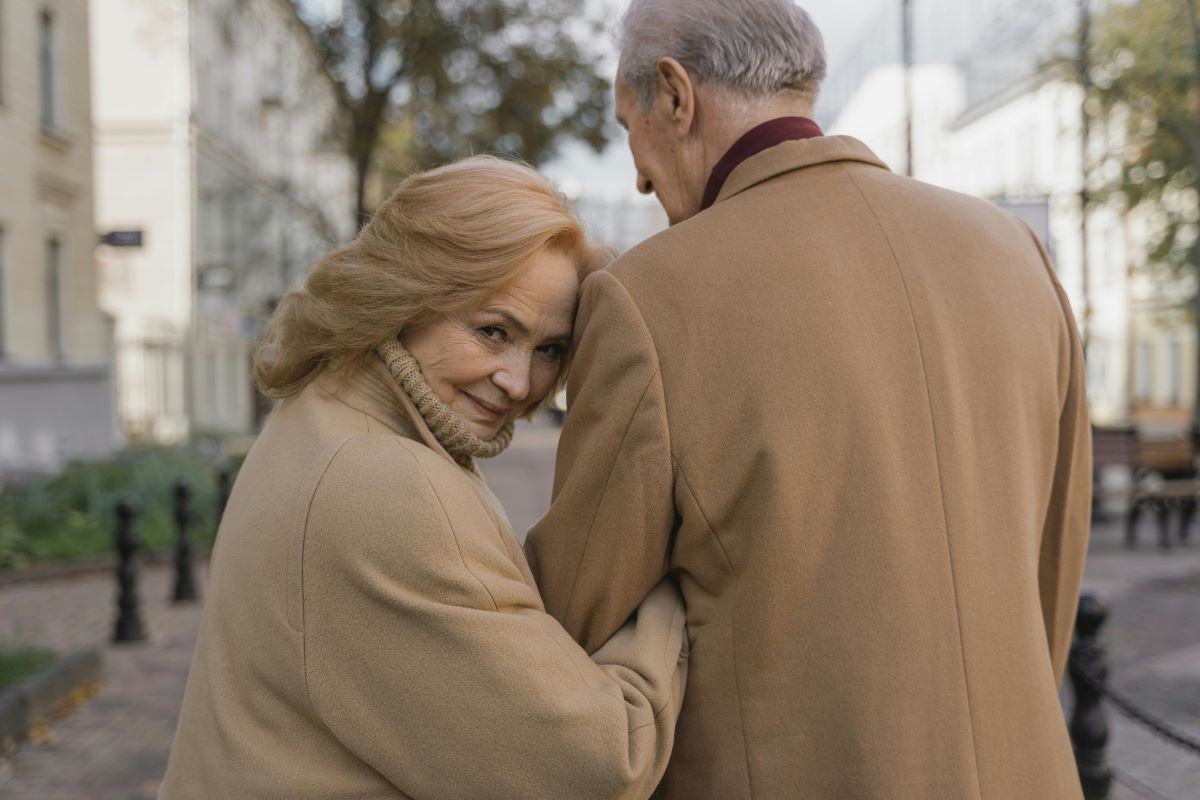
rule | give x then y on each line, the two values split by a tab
1131	521
223	481
1088	668
1164	526
129	617
1185	519
185	580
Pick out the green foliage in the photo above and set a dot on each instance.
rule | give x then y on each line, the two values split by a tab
1145	76
18	663
457	77
72	515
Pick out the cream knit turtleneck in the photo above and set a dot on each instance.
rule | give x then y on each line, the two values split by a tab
446	426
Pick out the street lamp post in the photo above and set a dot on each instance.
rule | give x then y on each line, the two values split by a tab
907	50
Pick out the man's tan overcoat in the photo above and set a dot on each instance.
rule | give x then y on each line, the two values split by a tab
371	630
848	408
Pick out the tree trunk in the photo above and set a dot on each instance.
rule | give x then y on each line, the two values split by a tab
364	138
362	166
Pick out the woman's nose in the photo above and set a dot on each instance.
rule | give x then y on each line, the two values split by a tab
644	185
513	378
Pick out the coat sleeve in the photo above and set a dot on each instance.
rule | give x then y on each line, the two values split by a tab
429	656
606	538
1068	518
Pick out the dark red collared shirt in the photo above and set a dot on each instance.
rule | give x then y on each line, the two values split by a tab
757	139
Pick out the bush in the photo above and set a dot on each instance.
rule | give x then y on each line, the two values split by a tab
71	516
17	663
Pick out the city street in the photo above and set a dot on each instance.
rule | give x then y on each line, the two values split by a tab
116	745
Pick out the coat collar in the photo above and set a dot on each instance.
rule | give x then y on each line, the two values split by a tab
372	390
793	155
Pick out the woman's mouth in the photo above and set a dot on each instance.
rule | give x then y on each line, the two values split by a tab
487	412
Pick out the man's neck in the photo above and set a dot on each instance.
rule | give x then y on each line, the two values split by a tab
737	122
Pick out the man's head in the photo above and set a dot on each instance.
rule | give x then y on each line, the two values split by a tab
696	74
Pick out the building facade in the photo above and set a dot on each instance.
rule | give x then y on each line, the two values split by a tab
55	344
986	123
218	157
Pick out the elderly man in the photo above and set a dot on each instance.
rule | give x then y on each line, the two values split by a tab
848	410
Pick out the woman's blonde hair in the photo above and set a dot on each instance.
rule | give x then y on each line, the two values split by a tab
445	241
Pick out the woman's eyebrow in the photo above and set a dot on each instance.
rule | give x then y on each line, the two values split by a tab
507	316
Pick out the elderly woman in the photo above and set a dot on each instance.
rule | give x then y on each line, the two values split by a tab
372	628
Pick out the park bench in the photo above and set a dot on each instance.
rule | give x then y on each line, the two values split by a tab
1163	476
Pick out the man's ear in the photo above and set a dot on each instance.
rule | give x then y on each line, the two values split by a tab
676	95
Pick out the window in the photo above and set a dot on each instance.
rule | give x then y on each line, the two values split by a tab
48	62
54	298
1145	354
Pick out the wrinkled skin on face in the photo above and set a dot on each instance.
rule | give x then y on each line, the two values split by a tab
667	150
492	364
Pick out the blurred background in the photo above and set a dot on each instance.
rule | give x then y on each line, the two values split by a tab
170	168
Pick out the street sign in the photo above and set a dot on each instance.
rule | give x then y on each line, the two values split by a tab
122	239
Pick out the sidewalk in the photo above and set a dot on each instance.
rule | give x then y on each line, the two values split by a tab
115	747
1153	638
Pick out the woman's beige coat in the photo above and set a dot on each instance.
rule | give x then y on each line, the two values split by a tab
372	630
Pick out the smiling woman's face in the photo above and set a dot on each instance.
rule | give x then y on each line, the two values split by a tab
493	363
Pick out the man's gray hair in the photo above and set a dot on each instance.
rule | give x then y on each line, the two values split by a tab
754	48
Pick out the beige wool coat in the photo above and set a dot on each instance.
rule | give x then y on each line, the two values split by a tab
848	409
372	630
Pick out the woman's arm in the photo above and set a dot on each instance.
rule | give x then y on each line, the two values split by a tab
429	657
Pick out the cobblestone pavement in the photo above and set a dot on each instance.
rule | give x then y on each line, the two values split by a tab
115	746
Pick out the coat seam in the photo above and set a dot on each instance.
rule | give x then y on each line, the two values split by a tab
462	557
303	549
733	648
687	485
582	679
453	532
649	335
600	498
938	462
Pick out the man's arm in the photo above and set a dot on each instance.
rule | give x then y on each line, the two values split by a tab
605	541
1068	518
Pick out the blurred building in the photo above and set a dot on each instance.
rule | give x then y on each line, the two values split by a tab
987	121
220	179
55	344
618	221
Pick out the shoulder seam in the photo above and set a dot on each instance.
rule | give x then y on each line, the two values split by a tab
401	441
607	479
657	357
303	550
453	531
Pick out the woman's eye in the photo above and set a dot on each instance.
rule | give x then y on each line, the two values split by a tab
552	352
493	333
